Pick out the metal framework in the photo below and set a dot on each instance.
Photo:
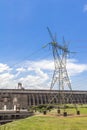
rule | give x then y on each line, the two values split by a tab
60	77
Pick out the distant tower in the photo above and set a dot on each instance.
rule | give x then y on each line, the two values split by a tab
60	76
20	86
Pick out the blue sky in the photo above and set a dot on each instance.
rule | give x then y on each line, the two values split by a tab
23	33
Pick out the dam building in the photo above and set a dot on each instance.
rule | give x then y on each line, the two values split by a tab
25	98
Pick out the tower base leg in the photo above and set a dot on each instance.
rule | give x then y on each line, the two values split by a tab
78	112
65	114
58	111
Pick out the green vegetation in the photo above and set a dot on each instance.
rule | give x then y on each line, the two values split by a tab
48	123
41	108
51	121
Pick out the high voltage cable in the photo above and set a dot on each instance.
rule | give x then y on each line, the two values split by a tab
28	57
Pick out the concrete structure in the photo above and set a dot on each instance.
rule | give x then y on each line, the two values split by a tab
9	116
13	99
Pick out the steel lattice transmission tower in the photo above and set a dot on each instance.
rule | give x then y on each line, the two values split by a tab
60	75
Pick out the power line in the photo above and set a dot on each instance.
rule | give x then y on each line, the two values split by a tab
31	55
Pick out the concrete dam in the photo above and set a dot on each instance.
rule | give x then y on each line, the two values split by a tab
10	99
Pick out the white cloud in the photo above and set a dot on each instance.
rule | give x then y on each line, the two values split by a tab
6	76
35	81
5	80
42	64
85	8
21	69
4	67
75	68
35	74
31	81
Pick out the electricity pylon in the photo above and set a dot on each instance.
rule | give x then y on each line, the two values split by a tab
60	76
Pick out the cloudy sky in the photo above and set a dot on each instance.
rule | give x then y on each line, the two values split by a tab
23	34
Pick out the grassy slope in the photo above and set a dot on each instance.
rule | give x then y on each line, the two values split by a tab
49	122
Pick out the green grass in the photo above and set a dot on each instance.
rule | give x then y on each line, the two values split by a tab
48	123
83	110
51	121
